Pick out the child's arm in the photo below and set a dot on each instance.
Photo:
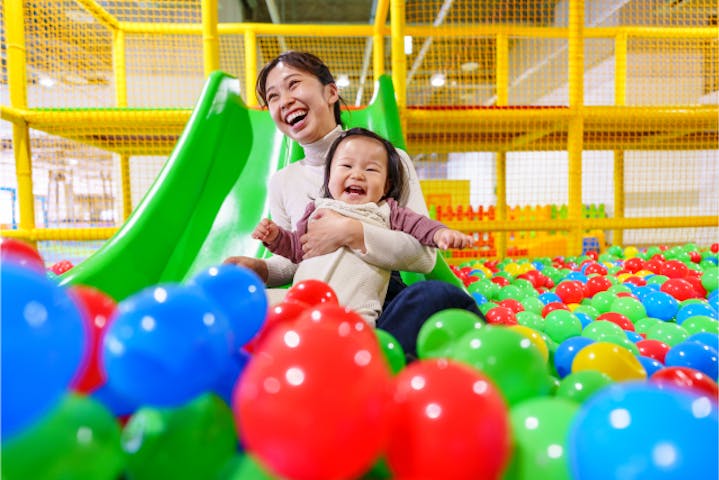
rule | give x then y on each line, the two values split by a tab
446	238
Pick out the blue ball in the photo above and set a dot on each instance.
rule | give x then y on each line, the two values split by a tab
479	298
694	355
660	305
240	294
654	433
227	381
565	353
650	365
694	309
549	297
706	338
166	345
43	342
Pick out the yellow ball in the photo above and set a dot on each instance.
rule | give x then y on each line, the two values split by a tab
631	252
534	337
609	358
512	268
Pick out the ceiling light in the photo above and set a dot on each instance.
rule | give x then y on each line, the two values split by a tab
437	80
343	81
469	66
408	45
47	82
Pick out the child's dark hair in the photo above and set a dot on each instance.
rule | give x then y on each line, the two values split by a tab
395	172
303	61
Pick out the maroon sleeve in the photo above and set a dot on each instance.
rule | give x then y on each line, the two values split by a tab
408	221
287	244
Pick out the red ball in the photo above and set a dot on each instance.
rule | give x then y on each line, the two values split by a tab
617	319
501	316
550	307
596	285
450	422
58	268
282	313
634	264
688	379
638	281
714	248
314	401
501	281
674	269
97	310
20	252
595	268
512	304
679	288
312	292
653	349
570	291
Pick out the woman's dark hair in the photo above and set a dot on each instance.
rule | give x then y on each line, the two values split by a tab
395	172
303	61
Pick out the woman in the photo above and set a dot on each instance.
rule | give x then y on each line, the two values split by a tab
303	101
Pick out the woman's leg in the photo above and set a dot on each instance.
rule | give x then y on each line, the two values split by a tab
404	316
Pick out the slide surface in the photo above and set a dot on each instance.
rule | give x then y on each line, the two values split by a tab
212	191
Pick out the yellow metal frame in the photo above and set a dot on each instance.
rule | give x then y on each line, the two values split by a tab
580	125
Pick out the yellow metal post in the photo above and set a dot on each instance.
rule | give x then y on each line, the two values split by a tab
17	84
620	99
501	237
575	137
126	187
118	64
399	62
378	38
250	67
502	68
210	38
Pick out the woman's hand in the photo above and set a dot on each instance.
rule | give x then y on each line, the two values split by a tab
328	231
255	264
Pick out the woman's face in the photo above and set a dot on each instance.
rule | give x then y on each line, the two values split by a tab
301	107
358	173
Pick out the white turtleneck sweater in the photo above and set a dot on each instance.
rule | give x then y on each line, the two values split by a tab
293	187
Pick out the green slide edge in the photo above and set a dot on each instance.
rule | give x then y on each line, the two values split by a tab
212	191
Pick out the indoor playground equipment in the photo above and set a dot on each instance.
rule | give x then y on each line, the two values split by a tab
576	140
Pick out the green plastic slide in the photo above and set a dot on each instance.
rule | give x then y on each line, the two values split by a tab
212	191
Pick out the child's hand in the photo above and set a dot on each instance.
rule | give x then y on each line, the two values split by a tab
266	231
447	238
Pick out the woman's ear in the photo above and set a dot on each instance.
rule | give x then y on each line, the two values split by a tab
332	93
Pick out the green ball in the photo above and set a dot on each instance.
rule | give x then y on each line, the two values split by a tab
560	325
710	279
532	304
668	332
643	325
195	440
80	438
391	349
630	307
486	287
701	323
440	331
579	386
531	319
510	291
598	330
602	301
588	310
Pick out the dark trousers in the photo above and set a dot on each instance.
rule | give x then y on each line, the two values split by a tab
405	313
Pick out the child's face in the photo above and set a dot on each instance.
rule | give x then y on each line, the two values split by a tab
359	171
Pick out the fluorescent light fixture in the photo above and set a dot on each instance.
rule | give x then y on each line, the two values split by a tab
408	44
343	81
437	80
47	82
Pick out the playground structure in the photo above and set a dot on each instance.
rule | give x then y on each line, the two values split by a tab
596	104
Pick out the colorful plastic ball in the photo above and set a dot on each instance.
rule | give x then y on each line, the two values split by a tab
560	325
479	298
570	291
653	348
285	312
58	268
710	279
78	438
312	292
693	309
618	319
445	410
511	360
97	310
550	307
167	344
596	285
652	432
540	427
549	297
288	408
531	320
579	386
602	301
43	342
486	287
239	294
688	379
674	269
565	353
630	307
707	338
500	316
194	440
661	305
667	332
615	361
694	355
679	288
701	323
21	253
392	350
650	365
440	331
535	337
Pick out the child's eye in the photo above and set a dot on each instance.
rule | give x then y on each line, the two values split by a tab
271	97
293	83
